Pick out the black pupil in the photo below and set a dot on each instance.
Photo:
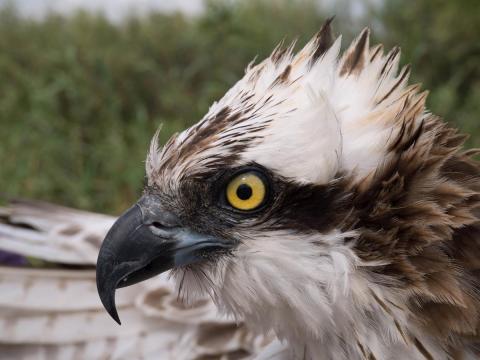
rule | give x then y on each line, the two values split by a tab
244	192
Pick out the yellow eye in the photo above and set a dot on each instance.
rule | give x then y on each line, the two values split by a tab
246	191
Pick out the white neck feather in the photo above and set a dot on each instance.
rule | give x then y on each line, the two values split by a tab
317	299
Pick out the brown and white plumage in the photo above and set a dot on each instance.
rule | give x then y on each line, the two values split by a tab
368	245
52	311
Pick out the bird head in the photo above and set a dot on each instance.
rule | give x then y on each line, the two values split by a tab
279	203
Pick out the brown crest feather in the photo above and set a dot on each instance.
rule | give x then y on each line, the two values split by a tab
356	56
323	40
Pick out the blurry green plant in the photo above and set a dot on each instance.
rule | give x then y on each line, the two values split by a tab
440	39
80	97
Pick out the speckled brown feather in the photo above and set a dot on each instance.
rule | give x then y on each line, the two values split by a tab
418	215
424	223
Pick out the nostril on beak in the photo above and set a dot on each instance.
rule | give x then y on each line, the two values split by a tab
158	225
163	227
164	224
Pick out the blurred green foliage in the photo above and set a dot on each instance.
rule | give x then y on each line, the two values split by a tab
81	97
441	40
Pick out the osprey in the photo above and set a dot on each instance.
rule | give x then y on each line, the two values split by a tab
320	200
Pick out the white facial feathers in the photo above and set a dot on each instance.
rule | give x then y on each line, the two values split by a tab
306	116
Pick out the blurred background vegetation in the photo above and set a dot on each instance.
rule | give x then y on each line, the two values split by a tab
80	96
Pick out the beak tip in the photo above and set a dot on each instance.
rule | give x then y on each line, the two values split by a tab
115	317
106	291
109	305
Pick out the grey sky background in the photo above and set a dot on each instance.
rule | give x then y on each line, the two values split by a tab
116	10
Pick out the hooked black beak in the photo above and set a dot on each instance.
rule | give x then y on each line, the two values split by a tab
146	241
